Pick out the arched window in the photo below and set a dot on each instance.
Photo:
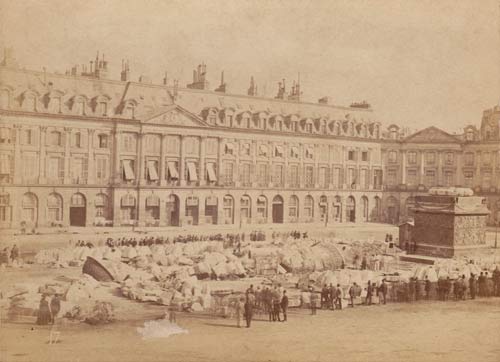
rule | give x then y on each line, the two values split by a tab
309	207
54	208
364	202
350	209
152	208
293	208
245	209
262	207
29	206
228	209
102	209
78	200
128	209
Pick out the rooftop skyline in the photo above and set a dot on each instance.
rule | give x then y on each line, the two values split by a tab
417	63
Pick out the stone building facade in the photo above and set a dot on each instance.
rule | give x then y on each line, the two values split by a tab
81	149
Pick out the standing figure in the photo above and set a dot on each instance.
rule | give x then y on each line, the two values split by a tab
44	314
239	311
352	293
276	304
472	286
314	301
339	295
382	291
55	306
250	301
14	253
427	288
284	305
369	293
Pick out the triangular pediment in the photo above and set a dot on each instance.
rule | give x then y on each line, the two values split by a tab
431	135
174	115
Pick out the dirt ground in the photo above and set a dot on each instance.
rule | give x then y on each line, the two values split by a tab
425	331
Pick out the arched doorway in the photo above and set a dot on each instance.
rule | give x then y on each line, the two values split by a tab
211	209
262	209
152	210
337	209
392	210
323	208
277	209
308	208
350	209
54	209
245	209
364	204
77	210
293	209
377	209
228	205
29	206
173	210
102	209
192	210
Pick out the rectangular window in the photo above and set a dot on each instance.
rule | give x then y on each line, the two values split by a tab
192	172
430	178
486	158
294	176
411	177
392	178
364	156
246	174
129	142
28	137
448	178
228	173
430	158
101	170
294	152
278	175
152	170
229	149
5	164
309	176
172	168
5	135
211	175
323	177
337	182
30	167
263	173
351	155
468	178
412	158
363	178
79	168
449	159
103	108
486	180
278	151
393	156
469	159
128	170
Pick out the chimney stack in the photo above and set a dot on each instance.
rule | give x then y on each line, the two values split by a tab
252	90
222	86
125	73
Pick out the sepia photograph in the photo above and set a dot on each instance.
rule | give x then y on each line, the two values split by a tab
249	180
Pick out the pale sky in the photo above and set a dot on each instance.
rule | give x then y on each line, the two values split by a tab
419	63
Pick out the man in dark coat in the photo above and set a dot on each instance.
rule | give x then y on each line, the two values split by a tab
383	291
250	300
472	286
284	305
276	305
369	293
427	288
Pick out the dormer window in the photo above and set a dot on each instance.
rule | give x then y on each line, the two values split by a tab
309	128
469	135
29	103
393	134
130	111
229	149
103	108
4	99
263	151
79	107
